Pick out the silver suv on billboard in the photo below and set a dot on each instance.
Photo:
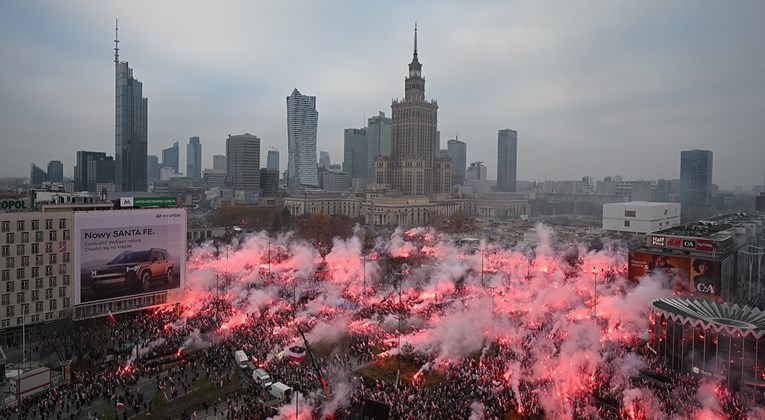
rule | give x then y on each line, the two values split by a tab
133	269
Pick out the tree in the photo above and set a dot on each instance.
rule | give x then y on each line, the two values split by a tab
69	339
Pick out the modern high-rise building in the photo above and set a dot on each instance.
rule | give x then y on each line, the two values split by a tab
507	160
476	172
457	151
355	152
243	162
696	178
219	162
663	190
272	161
37	176
269	182
379	136
131	127
415	167
55	171
302	123
152	167
324	160
171	158
194	158
93	168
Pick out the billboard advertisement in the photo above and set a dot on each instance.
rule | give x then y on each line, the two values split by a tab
689	275
119	253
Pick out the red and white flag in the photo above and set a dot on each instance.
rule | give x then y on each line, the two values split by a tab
120	404
111	318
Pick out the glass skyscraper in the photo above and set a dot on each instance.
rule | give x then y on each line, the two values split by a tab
131	128
507	159
355	152
194	158
302	123
171	158
457	151
272	160
696	178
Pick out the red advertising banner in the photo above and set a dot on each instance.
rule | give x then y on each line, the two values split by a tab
696	275
703	245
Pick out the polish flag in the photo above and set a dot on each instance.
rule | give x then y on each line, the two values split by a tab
111	318
120	404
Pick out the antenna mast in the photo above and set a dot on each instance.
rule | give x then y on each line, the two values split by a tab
116	41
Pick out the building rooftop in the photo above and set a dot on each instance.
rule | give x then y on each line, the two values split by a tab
718	228
734	319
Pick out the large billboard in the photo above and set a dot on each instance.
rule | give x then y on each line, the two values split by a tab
689	275
120	253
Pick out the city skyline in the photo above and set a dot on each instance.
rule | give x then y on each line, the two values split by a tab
588	86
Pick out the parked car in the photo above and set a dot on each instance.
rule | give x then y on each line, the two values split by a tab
134	269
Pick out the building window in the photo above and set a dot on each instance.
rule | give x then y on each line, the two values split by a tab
35	224
48	293
66	280
48	270
10	262
9	287
6	299
21	273
61	292
52	259
35	295
35	318
65	258
39	260
66	235
39	283
48	224
48	247
20	297
24	237
10	311
19	225
38	236
6	225
67	302
52	235
52	305
52	281
38	306
20	249
48	316
35	271
24	284
6	251
25	261
630	213
62	223
61	268
6	323
36	248
10	238
25	309
626	223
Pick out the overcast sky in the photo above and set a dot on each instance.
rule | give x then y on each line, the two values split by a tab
593	88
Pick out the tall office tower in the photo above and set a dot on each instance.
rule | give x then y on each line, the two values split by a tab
194	158
457	151
302	123
37	176
171	158
269	182
355	152
272	161
55	171
507	160
379	136
152	168
414	167
243	161
696	178
100	170
81	168
219	162
324	160
131	127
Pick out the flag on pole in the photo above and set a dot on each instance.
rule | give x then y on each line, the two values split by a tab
111	318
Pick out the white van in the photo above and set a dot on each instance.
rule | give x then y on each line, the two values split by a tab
280	391
262	378
241	359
